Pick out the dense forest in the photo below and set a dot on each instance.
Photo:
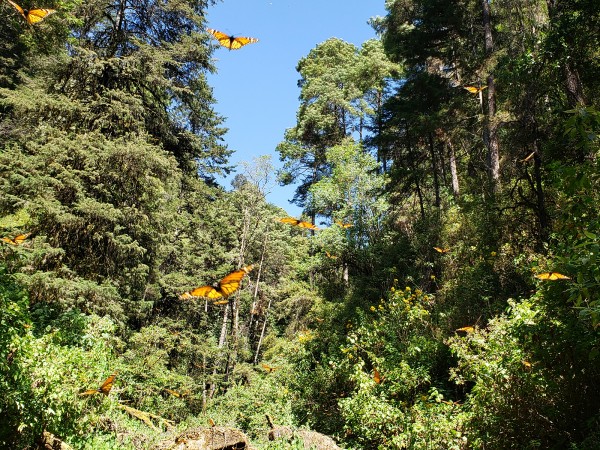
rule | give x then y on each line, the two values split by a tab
442	290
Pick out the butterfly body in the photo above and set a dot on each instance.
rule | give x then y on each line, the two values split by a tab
32	16
231	42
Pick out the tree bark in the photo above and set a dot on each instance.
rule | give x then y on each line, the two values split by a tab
490	133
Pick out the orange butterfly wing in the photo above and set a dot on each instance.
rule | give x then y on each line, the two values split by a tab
289	220
377	378
37	15
18	240
89	392
269	368
231	42
206	292
298	223
172	392
531	155
231	282
474	90
104	388
552	276
220	302
343	225
307	225
441	250
227	286
33	15
18	8
108	384
467	329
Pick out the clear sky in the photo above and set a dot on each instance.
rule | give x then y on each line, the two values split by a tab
256	86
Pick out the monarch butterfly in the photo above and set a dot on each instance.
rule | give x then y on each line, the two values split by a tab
343	225
467	329
441	250
32	16
231	42
211	423
269	368
377	378
18	240
172	392
104	388
227	286
175	393
329	255
528	157
298	223
474	90
552	276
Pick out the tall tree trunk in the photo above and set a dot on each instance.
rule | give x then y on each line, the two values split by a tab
255	296
262	333
453	170
573	85
434	168
490	135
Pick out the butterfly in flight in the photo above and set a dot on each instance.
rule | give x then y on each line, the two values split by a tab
474	90
231	42
176	393
528	158
298	223
269	368
227	286
552	276
18	240
467	329
33	16
104	388
441	250
377	378
343	225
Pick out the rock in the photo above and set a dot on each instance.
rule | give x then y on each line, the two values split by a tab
214	438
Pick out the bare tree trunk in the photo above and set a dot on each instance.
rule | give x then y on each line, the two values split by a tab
490	136
262	333
255	296
453	170
434	169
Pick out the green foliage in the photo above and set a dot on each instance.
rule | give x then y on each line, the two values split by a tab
524	387
108	150
395	356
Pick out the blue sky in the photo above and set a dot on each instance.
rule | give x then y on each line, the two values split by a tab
256	87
